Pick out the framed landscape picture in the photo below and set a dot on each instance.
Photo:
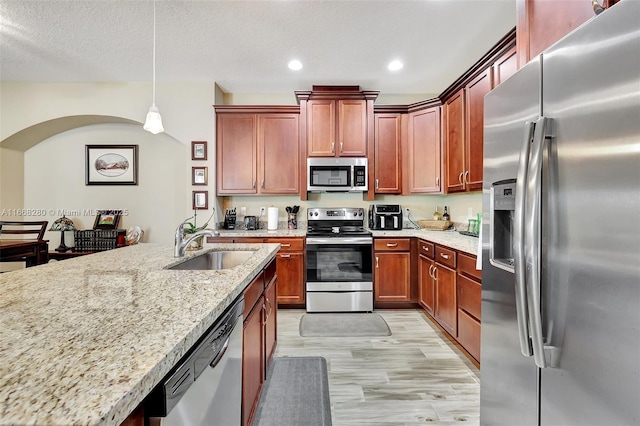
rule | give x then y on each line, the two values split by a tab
107	219
198	150
111	165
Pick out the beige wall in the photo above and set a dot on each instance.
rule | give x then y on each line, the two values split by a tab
44	127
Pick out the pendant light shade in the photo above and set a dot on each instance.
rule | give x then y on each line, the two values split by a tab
153	123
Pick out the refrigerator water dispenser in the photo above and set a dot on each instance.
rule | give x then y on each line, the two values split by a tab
503	205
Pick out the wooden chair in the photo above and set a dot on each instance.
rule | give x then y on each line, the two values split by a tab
35	228
11	251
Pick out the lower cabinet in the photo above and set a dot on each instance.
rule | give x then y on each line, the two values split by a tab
426	280
450	292
392	270
259	337
291	271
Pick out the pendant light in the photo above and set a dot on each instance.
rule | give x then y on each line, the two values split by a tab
153	122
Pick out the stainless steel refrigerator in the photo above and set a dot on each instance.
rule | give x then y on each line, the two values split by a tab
561	233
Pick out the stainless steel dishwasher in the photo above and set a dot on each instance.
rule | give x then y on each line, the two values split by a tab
205	387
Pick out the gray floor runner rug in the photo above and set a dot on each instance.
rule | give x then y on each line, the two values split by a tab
296	393
343	325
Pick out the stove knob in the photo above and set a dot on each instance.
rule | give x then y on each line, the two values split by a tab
360	213
310	213
315	214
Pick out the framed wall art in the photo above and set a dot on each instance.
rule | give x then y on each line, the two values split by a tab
198	150
111	165
200	200
199	176
107	219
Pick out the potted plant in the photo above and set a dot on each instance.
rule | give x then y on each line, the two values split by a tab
192	228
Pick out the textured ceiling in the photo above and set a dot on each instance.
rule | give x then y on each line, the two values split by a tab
244	46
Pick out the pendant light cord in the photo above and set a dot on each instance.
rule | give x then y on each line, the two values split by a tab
154	53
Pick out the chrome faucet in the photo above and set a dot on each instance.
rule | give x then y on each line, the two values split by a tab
181	242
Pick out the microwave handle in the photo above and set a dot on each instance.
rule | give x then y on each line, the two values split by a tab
353	177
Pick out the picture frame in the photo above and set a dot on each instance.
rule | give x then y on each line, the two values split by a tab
198	150
199	175
200	200
107	219
111	164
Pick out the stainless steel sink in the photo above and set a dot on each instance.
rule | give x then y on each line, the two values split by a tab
215	260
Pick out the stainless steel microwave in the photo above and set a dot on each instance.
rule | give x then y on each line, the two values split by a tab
337	174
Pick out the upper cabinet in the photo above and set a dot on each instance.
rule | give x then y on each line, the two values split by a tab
387	153
540	23
337	128
257	152
424	153
463	116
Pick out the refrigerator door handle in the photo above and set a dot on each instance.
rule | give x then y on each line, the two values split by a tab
532	239
522	314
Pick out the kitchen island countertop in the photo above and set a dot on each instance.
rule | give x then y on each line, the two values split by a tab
83	341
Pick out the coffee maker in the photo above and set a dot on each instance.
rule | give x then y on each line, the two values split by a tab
386	217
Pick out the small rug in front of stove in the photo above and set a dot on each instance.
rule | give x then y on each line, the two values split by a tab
343	325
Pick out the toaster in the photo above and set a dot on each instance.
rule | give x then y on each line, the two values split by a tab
385	217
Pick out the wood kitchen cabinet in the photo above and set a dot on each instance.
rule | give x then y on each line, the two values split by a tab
259	337
257	153
540	23
469	290
424	159
336	128
388	153
465	133
291	271
426	279
444	274
392	270
505	66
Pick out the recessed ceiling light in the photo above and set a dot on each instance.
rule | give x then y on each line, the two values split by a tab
395	65
295	65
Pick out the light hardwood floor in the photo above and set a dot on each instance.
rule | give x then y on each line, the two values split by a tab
413	377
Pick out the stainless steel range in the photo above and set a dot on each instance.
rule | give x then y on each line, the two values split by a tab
339	261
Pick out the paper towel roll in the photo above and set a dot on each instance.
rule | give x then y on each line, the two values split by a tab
272	218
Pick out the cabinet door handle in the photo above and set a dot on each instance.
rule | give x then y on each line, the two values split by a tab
285	245
435	275
253	185
425	248
264	315
438	182
392	244
466	177
460	178
262	185
377	183
377	264
340	146
444	256
333	147
431	271
285	256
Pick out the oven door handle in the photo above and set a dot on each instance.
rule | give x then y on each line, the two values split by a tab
340	240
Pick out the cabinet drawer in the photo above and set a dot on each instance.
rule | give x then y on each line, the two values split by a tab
252	293
469	296
446	256
426	249
469	334
248	240
287	244
392	244
467	266
219	240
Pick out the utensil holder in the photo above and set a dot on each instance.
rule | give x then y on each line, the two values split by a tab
292	221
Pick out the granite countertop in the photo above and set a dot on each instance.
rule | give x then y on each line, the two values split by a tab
84	340
262	233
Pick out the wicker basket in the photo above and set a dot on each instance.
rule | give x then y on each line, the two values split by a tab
439	225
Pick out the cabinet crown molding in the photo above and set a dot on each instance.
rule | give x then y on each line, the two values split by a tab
336	92
258	109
